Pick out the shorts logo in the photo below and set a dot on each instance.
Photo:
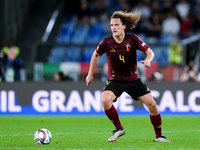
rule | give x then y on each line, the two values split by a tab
112	50
128	47
107	82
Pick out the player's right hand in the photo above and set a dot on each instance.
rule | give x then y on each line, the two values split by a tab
89	80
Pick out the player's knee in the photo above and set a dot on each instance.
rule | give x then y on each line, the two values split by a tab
106	104
107	97
152	106
105	101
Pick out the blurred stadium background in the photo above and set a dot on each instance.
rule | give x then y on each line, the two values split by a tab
50	33
61	35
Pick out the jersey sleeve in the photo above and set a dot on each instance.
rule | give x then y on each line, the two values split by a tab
100	48
141	45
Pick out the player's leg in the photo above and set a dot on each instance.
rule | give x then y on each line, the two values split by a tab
148	100
155	116
154	113
110	110
112	114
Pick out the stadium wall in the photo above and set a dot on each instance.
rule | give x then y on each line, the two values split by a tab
71	98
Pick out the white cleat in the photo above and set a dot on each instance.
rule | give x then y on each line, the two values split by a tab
162	139
116	134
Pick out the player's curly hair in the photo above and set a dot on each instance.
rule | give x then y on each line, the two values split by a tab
127	18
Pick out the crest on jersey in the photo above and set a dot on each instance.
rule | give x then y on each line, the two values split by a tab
128	47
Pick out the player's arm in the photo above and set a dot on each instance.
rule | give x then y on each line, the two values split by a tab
149	58
93	62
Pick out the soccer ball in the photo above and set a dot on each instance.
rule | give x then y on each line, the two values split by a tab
42	136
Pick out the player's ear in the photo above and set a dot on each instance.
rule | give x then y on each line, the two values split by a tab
124	26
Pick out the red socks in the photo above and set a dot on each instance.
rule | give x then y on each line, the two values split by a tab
112	114
156	121
157	124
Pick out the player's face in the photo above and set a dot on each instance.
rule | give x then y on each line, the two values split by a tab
117	27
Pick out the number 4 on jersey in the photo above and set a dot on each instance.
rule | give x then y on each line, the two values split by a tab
121	58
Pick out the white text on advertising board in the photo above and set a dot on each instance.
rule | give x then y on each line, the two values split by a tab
57	101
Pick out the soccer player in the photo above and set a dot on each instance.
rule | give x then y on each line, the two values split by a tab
120	48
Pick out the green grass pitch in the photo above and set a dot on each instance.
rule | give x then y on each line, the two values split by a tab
92	132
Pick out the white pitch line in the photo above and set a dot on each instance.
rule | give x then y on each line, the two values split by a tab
14	134
3	135
181	131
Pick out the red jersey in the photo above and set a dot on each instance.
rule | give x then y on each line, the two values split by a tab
122	57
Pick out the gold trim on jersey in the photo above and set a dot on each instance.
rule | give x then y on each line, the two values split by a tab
113	75
111	78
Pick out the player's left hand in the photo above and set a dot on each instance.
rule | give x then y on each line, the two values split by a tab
146	63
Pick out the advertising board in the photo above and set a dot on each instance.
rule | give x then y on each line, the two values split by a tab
75	98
